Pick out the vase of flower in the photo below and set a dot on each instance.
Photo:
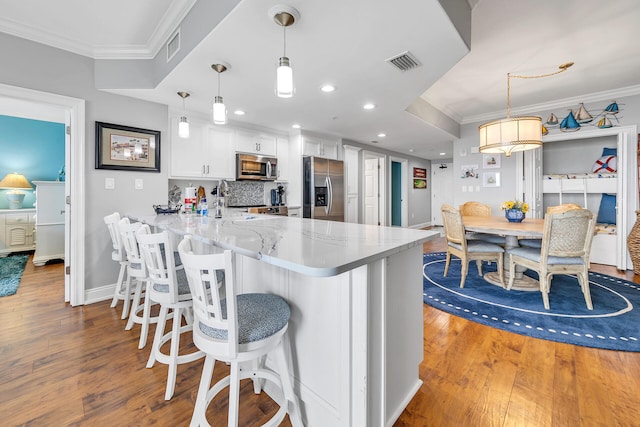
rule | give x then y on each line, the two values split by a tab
514	215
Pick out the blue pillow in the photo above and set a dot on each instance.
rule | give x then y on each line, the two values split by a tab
607	211
609	151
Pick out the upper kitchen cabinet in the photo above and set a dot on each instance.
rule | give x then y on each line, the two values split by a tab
207	153
319	147
247	141
282	153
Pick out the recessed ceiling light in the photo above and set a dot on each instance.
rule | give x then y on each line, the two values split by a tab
369	106
411	150
443	154
382	135
328	88
239	113
295	126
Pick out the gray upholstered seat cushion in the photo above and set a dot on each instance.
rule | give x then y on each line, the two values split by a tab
533	254
259	317
491	238
530	243
183	285
478	246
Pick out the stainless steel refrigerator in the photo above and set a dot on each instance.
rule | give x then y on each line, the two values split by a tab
323	193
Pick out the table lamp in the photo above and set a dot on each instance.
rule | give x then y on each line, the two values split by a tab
15	182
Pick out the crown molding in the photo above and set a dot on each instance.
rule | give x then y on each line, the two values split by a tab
166	26
560	103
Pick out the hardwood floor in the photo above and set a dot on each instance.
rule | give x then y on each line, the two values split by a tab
64	366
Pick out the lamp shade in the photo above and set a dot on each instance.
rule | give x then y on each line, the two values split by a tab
219	111
511	134
15	181
284	79
183	127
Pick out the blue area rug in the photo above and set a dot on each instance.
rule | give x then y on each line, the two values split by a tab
11	269
613	324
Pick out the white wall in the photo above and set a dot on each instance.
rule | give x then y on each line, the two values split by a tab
39	67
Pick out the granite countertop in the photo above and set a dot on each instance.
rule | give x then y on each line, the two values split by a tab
308	246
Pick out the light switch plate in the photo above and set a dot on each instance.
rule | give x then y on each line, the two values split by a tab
109	183
138	184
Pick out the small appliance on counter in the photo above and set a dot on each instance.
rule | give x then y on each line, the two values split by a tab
277	196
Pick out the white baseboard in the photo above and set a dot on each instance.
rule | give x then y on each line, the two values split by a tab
423	225
102	293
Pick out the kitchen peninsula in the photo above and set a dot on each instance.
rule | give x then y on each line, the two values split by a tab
355	293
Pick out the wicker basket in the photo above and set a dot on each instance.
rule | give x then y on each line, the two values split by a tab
633	244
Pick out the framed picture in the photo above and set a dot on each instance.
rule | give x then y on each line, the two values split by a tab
419	183
419	173
491	179
491	161
127	148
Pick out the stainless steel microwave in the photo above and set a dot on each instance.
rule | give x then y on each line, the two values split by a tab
256	167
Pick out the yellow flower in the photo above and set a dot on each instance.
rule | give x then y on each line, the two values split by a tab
515	204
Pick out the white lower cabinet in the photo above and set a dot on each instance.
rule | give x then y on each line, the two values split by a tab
50	210
16	230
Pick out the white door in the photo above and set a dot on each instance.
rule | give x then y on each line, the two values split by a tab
441	189
371	190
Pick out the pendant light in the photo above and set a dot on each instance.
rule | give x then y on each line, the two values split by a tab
284	16
514	133
183	124
219	110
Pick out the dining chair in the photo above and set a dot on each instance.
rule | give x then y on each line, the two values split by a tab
472	208
118	254
566	245
467	250
241	330
170	289
537	243
137	271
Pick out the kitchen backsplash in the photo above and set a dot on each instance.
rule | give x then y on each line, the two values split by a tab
240	193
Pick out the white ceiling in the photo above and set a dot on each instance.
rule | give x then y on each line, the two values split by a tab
346	43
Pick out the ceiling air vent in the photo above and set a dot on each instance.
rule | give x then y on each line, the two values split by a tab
173	46
404	62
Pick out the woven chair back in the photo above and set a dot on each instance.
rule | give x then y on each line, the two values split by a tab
568	234
475	209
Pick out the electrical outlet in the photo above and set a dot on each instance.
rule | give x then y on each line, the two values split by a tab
138	184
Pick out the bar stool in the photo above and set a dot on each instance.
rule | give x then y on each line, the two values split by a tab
240	330
123	289
170	289
140	313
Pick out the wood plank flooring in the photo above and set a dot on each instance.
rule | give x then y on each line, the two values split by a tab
64	366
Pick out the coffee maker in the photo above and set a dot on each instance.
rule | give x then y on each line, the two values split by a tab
277	196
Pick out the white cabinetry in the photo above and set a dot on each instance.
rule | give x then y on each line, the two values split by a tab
50	209
207	153
16	230
282	153
247	141
319	147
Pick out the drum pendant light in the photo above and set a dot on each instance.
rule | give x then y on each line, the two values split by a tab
514	133
284	16
219	110
183	124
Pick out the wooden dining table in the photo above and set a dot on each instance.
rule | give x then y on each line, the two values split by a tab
529	228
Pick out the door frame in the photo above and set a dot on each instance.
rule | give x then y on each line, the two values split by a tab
382	184
404	192
74	109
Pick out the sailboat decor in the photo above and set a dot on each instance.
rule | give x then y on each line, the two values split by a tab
580	116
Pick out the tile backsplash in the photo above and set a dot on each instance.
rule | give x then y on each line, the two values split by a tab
239	193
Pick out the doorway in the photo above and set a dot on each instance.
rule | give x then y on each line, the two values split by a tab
73	111
441	189
374	179
399	192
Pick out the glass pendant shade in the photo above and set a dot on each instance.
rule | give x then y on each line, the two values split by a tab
284	79
183	127
219	111
511	134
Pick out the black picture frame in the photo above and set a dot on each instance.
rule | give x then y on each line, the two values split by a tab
127	148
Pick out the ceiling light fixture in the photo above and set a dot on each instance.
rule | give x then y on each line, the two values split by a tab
514	133
382	135
183	124
369	106
296	126
328	88
239	113
219	110
284	16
